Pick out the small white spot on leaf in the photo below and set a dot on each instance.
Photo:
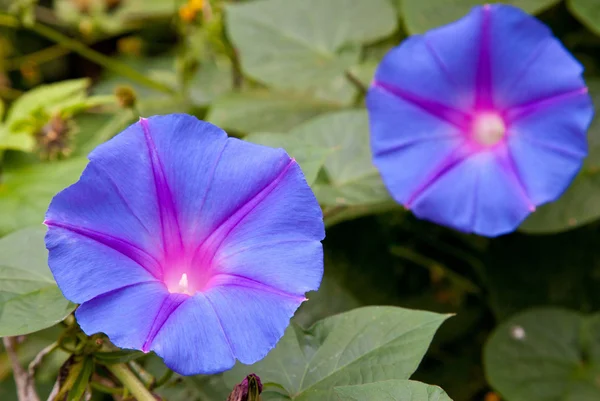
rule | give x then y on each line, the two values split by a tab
518	333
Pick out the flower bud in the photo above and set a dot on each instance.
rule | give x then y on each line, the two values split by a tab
248	390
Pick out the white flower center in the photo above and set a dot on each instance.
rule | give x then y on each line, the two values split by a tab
183	287
488	129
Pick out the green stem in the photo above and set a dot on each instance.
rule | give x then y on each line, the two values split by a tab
130	382
106	389
38	57
163	379
84	51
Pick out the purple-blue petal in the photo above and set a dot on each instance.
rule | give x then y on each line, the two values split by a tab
192	341
249	168
253	316
407	142
431	80
267	245
189	151
126	315
86	264
528	62
460	197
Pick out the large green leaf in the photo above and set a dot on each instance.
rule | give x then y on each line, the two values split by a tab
25	192
392	390
311	158
351	177
422	15
29	298
263	111
588	12
213	78
365	345
309	44
545	355
580	204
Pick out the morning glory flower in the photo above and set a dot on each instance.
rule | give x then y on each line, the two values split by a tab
476	123
180	240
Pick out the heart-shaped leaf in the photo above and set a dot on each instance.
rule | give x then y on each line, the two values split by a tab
365	345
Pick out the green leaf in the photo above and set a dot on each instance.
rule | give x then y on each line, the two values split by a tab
307	45
311	158
545	355
365	345
26	191
423	15
351	178
31	111
263	111
82	380
29	297
45	96
588	12
213	78
15	141
580	204
392	390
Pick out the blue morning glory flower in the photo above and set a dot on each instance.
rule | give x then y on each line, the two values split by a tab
476	123
180	240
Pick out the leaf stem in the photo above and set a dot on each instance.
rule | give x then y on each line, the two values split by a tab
356	82
106	389
130	382
84	51
38	57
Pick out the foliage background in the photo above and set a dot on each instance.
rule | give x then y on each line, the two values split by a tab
292	74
